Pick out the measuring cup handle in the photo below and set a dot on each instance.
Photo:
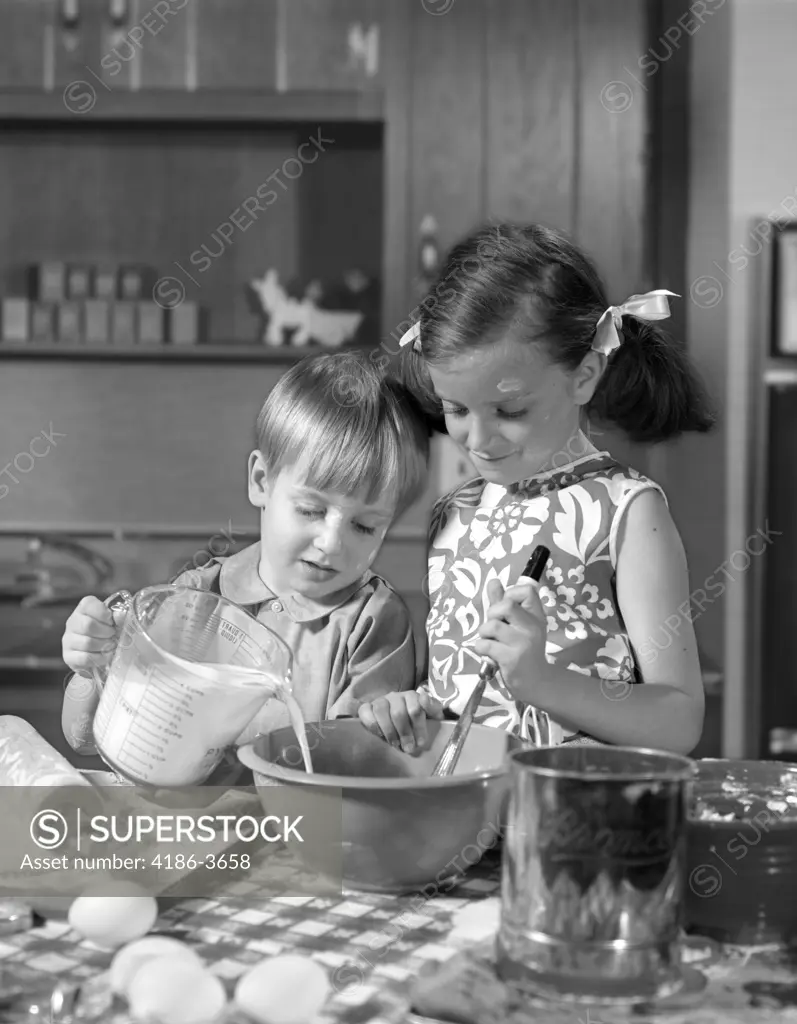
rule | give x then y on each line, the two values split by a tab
120	600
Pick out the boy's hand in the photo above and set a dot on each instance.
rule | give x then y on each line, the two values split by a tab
513	635
400	718
90	637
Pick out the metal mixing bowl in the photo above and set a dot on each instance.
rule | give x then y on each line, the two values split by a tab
401	829
742	872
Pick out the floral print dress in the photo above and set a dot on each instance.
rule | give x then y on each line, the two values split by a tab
482	532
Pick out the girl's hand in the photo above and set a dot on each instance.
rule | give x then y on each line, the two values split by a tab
89	639
400	718
513	635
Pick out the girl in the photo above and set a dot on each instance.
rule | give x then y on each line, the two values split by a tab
516	349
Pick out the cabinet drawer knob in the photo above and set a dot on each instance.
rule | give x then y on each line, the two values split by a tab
117	11
428	249
70	13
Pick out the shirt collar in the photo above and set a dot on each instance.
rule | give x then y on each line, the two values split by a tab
538	478
240	582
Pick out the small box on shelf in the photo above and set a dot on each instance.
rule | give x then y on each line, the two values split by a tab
151	326
16	321
136	283
105	284
69	327
49	281
185	324
123	323
78	282
96	321
42	322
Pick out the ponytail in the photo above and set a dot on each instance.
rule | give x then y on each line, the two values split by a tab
650	389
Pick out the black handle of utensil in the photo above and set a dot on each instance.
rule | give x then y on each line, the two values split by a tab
533	571
536	564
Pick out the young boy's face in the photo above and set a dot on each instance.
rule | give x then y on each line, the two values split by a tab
313	543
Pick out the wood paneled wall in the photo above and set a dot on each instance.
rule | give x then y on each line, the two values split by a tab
493	110
144	443
534	111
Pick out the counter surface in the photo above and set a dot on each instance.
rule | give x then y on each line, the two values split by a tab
378	949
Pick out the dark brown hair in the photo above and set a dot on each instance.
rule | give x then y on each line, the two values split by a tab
536	283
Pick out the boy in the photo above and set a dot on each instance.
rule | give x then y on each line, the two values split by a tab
341	452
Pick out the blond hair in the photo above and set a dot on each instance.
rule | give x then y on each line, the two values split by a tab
359	430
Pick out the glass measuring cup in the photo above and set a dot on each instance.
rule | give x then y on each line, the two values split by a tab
190	671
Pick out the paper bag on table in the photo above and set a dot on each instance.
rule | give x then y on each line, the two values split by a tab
34	777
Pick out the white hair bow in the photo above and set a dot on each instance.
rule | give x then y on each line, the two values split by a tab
412	336
649	306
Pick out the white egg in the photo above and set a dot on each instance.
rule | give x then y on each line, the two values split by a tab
111	921
174	990
283	990
134	955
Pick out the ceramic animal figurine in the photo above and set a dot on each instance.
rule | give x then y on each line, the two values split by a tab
331	328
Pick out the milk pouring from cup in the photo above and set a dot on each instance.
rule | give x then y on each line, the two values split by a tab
190	672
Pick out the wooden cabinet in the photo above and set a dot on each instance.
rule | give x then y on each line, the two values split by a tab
531	103
161	37
498	111
185	45
253	45
330	44
23	43
76	47
80	48
501	112
439	120
235	44
83	39
446	95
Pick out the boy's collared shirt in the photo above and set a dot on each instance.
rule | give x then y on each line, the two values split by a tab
352	646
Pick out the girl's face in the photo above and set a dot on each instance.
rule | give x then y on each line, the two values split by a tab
313	543
512	410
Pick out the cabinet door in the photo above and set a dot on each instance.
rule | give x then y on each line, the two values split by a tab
152	40
119	45
23	43
235	44
78	54
614	109
447	111
434	166
610	191
531	72
330	44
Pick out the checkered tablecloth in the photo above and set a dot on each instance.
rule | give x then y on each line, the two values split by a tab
373	946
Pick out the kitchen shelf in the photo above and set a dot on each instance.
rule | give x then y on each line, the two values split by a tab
231	353
176	105
31	662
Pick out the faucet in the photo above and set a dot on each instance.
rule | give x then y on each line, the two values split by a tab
36	571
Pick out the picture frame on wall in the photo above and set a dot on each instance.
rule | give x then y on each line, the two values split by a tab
784	291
